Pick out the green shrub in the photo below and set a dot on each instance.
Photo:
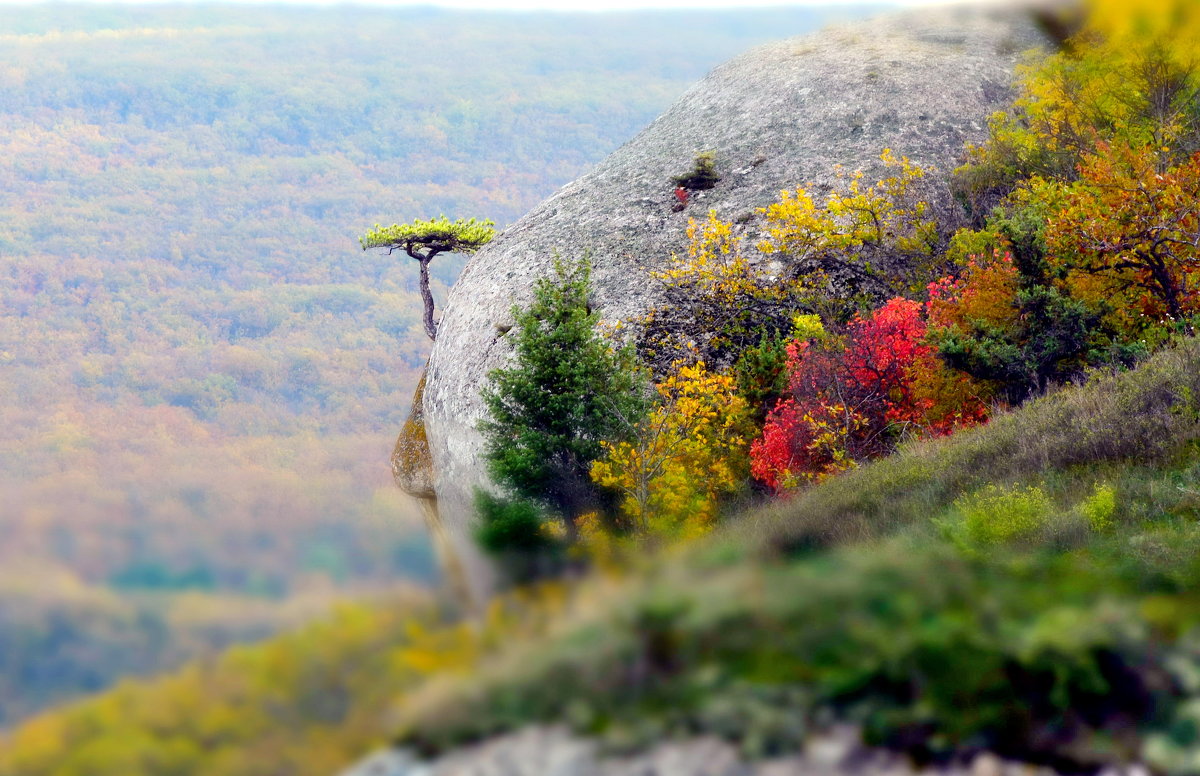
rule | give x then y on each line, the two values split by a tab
1100	507
703	174
564	391
761	374
996	514
516	533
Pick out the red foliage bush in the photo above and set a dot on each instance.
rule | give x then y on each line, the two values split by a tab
853	398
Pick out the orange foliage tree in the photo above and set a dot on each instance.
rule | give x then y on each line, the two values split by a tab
1133	222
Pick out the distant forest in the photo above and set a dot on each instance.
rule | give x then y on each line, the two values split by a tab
200	372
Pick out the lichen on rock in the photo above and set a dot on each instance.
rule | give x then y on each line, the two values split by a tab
412	464
412	469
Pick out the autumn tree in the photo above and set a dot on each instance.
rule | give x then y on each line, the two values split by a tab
678	460
1128	77
423	240
863	244
1089	185
1133	221
566	392
851	398
1012	332
718	303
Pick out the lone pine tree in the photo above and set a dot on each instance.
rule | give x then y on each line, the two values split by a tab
422	240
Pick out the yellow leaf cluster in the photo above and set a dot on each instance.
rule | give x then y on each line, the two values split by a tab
886	214
719	302
687	453
807	326
716	266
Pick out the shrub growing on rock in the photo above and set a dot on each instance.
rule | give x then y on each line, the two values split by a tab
703	174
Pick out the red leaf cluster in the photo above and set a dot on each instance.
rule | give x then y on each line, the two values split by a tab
852	399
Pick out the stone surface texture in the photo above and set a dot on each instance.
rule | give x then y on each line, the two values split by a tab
553	751
922	83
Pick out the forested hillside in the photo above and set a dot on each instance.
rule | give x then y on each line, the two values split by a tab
201	371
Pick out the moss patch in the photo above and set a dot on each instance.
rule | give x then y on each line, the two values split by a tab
412	465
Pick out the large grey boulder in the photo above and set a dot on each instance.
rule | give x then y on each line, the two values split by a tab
922	83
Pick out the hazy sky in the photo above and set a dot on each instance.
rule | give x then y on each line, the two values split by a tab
605	5
557	5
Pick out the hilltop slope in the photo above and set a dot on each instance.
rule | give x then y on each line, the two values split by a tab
1025	588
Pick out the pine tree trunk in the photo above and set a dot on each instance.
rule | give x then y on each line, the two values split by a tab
427	298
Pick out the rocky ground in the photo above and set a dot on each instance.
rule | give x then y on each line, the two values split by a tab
553	751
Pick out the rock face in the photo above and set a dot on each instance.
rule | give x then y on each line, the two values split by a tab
783	115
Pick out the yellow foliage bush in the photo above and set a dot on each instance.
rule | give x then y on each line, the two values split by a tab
857	231
1100	507
689	451
719	303
807	327
997	514
714	260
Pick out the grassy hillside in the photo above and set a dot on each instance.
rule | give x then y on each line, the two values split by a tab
1026	587
202	373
